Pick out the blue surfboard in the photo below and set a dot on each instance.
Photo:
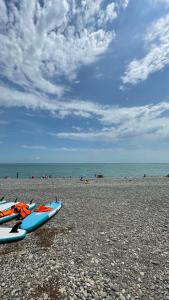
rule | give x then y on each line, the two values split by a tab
36	219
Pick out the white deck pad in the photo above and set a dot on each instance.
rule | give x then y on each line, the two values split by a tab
7	236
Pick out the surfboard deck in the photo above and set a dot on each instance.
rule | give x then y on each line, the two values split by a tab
13	216
7	205
6	236
36	219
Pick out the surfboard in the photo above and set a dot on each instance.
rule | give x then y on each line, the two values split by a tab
36	219
7	205
14	234
13	216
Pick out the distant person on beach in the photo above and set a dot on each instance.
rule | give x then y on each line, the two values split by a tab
17	175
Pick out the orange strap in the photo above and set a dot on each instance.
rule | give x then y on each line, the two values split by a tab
5	213
43	208
20	208
21	205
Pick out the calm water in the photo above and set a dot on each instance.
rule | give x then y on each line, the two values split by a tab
77	170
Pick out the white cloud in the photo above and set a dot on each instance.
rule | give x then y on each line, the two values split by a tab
40	43
115	122
148	122
108	15
123	3
13	98
159	2
62	149
157	43
33	147
77	128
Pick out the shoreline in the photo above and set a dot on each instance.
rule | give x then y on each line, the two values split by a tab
84	177
77	170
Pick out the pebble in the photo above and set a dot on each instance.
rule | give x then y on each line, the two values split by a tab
114	287
88	261
103	294
45	296
155	262
91	282
121	297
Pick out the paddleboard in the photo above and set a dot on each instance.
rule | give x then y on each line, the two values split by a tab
8	235
13	216
7	205
36	219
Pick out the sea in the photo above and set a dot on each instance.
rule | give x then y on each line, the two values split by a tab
77	170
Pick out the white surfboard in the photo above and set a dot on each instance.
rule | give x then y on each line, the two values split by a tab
13	216
7	205
8	235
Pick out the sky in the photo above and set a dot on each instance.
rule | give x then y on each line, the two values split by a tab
84	81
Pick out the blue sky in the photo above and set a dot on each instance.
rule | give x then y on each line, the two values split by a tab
84	81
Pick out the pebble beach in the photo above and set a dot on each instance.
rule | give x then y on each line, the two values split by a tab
109	241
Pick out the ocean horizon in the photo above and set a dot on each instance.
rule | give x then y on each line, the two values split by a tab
76	170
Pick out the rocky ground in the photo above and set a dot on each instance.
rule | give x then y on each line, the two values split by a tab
109	241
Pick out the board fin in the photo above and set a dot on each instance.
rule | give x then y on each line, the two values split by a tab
16	200
2	198
31	201
15	227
